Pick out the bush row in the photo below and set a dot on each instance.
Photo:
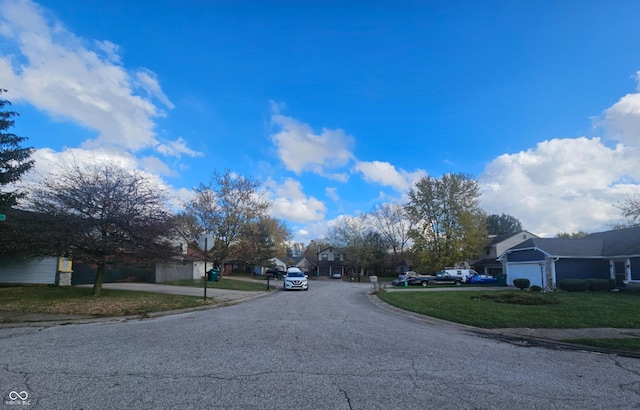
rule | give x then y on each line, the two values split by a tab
569	285
581	285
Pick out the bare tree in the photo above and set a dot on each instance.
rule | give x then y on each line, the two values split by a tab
104	213
224	207
630	208
350	235
394	223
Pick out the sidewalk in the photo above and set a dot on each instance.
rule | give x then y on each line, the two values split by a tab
223	297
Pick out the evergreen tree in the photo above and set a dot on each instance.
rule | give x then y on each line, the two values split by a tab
14	159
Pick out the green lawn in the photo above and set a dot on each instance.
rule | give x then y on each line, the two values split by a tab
80	301
226	283
569	309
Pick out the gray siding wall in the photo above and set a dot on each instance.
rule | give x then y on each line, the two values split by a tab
582	269
526	256
29	271
166	272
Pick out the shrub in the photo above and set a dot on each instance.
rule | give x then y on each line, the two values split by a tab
599	284
535	288
573	285
521	283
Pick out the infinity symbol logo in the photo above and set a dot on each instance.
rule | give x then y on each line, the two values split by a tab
14	395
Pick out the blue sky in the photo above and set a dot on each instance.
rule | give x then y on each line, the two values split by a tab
339	106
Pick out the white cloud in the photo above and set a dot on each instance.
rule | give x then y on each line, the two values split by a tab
386	174
566	185
300	149
332	193
622	119
157	166
177	148
561	185
291	204
79	80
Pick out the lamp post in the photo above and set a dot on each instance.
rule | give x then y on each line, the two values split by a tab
541	275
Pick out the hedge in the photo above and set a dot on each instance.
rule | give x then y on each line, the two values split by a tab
599	284
574	285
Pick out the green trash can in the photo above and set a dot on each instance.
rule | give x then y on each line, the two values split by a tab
213	275
502	280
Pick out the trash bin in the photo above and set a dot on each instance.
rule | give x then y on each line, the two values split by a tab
502	279
213	275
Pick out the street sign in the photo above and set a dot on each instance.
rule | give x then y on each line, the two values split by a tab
205	242
3	217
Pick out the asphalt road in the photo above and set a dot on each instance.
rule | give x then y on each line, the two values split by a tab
328	348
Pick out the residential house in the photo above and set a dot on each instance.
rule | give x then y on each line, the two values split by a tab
304	264
403	266
488	263
330	260
273	263
546	261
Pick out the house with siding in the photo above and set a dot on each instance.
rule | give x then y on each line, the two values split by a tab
605	255
331	260
488	263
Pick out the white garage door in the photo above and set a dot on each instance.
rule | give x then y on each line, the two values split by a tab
29	271
529	271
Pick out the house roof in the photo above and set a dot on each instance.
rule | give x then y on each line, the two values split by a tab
331	248
500	238
621	242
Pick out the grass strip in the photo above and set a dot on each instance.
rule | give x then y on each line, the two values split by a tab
80	301
225	283
626	343
565	310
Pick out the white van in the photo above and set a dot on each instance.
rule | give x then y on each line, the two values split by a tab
465	274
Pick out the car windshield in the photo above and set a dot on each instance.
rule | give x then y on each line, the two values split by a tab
295	274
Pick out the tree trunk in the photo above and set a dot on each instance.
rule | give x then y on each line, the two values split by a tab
97	285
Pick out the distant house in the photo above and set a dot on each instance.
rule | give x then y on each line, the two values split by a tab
273	263
190	266
304	264
605	255
403	266
330	260
488	263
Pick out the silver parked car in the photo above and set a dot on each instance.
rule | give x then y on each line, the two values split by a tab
295	279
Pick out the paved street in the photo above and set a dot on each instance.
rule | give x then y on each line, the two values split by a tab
328	348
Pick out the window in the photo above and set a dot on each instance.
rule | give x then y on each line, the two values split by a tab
336	257
325	257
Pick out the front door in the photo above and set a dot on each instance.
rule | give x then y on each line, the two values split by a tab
621	273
